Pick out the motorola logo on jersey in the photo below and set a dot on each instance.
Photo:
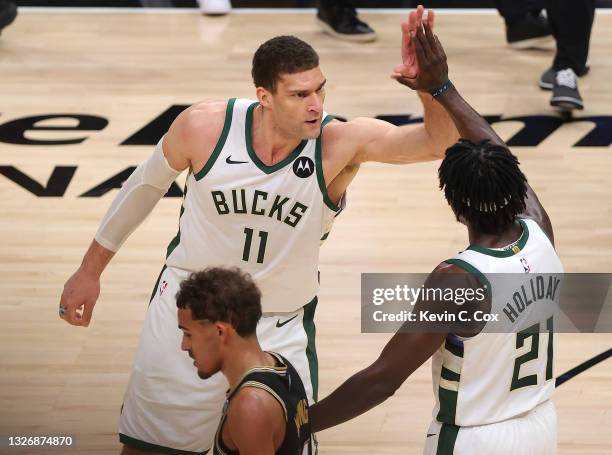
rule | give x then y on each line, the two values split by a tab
303	167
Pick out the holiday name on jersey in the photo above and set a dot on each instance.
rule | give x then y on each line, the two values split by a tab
538	288
259	203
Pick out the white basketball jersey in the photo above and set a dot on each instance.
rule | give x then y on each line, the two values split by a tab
267	220
496	376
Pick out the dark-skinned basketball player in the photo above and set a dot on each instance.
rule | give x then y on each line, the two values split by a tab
492	389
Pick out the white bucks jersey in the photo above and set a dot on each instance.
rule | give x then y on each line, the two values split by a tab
267	220
496	376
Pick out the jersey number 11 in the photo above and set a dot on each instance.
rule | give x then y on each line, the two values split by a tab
263	239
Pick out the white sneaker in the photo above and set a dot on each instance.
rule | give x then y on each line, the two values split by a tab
215	7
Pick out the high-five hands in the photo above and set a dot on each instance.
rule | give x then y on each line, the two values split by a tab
424	66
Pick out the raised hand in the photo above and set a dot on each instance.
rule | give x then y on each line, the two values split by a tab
431	63
409	67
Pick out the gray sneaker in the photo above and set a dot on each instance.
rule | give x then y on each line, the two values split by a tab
547	80
565	95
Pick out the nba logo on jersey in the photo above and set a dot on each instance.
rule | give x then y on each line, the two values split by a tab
163	287
303	167
525	265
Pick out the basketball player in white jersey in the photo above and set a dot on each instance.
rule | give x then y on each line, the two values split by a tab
265	180
492	390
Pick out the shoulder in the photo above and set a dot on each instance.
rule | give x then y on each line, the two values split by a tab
255	403
195	131
456	274
204	118
457	290
254	417
341	144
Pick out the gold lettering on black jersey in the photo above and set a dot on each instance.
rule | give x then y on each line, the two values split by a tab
301	415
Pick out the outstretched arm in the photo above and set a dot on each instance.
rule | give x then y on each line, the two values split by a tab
402	355
470	124
405	352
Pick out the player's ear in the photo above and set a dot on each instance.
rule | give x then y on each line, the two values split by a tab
264	96
223	330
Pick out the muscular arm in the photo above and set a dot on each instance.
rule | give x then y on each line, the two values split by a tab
404	353
379	141
347	145
255	423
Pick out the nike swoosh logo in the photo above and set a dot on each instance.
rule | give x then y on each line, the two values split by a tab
229	160
280	324
430	434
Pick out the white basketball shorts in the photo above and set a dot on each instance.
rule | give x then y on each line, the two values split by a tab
533	433
167	408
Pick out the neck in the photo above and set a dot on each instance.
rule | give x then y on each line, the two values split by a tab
244	354
270	144
510	235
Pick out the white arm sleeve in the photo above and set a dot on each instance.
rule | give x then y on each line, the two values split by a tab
136	199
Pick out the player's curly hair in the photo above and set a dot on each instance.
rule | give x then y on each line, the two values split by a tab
483	184
281	55
222	294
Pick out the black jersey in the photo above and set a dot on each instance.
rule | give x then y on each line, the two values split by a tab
283	383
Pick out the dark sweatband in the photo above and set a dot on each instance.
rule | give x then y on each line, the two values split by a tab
444	87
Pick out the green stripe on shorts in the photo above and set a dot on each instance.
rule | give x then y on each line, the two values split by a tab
311	350
446	439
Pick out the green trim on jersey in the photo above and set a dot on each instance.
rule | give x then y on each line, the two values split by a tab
319	166
449	375
446	439
177	238
328	118
157	283
311	349
249	145
229	112
455	350
473	271
520	244
446	396
523	217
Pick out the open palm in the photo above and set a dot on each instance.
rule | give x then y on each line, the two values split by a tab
409	67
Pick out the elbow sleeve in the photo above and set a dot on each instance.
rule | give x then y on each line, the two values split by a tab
136	199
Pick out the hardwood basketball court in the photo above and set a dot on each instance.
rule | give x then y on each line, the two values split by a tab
129	68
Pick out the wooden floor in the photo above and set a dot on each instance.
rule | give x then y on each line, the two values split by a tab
129	68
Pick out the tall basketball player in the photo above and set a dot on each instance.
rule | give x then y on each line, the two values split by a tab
265	180
266	410
492	390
